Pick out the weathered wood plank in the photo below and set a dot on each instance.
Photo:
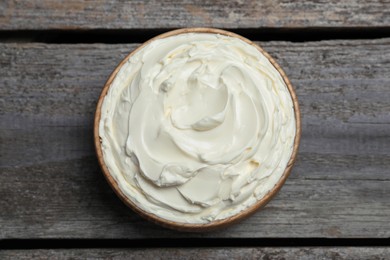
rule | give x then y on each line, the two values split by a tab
115	14
52	186
308	253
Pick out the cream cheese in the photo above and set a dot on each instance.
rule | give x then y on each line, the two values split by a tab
197	127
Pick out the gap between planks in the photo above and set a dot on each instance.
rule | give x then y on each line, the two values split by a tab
118	36
16	244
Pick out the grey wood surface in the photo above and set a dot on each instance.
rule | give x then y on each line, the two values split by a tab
308	253
51	186
116	14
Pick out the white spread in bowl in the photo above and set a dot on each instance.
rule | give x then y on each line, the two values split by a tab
197	127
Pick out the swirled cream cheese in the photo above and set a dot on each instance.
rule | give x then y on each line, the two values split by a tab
197	127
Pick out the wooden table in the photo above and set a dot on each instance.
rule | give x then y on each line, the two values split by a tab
54	60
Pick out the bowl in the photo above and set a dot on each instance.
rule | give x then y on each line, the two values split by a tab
128	168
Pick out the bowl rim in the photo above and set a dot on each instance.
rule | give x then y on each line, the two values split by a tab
217	223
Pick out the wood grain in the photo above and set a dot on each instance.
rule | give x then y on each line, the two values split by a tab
115	14
52	186
309	253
